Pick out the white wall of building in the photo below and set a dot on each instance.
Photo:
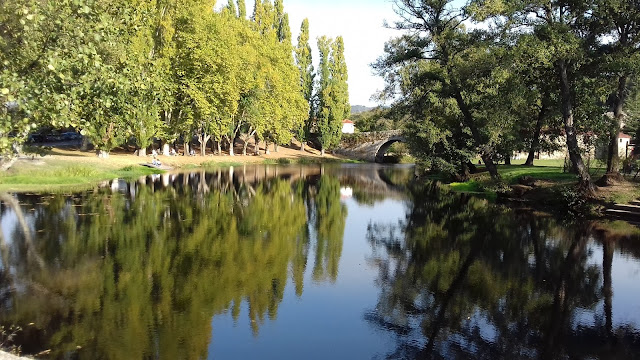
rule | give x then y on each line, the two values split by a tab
348	128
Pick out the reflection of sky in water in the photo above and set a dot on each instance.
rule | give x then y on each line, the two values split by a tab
327	321
625	277
8	222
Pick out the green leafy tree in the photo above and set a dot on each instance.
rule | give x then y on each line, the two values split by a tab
242	9
304	61
439	62
339	76
619	23
333	93
560	34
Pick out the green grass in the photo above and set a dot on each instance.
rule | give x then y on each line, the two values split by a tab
624	197
219	164
57	176
619	227
553	178
469	186
542	162
407	159
511	173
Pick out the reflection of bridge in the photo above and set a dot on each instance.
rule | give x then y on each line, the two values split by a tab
369	146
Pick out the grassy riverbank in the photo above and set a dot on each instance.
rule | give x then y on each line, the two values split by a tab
552	187
68	169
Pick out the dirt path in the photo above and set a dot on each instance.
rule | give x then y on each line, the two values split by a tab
120	157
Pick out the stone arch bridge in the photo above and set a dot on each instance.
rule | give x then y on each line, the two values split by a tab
368	146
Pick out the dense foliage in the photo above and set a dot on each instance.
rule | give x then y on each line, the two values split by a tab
125	70
490	77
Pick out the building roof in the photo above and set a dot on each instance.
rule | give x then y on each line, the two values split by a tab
347	121
624	136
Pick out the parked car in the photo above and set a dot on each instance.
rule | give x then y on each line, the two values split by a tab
70	136
34	138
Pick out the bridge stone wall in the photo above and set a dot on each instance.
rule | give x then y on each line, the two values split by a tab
368	146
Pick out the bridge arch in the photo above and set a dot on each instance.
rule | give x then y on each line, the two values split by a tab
382	149
369	146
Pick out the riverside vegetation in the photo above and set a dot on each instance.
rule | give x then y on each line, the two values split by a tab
490	78
483	78
123	70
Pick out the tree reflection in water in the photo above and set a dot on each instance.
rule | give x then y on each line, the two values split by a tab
139	272
461	278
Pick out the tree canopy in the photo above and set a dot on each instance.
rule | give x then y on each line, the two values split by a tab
489	77
163	70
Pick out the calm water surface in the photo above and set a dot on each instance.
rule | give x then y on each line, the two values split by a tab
309	262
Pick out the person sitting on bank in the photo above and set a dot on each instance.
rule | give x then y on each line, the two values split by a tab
172	152
155	161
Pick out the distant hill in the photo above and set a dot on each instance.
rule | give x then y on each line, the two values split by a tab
357	109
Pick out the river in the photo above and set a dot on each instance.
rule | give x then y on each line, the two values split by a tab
347	261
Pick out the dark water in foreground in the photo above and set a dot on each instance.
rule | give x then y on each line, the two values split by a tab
309	262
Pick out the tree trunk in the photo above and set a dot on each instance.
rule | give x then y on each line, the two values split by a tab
535	141
257	144
584	179
507	160
203	139
7	162
613	158
275	147
245	140
266	147
219	147
85	143
464	173
186	148
472	168
244	147
302	146
166	149
231	147
486	152
142	152
322	152
103	154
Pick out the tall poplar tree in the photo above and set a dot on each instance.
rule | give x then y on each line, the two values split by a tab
305	65
231	7
326	132
333	93
242	9
340	88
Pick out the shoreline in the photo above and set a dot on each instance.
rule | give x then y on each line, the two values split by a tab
65	169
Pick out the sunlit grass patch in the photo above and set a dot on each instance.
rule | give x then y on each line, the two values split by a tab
511	173
219	164
619	227
469	186
58	175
